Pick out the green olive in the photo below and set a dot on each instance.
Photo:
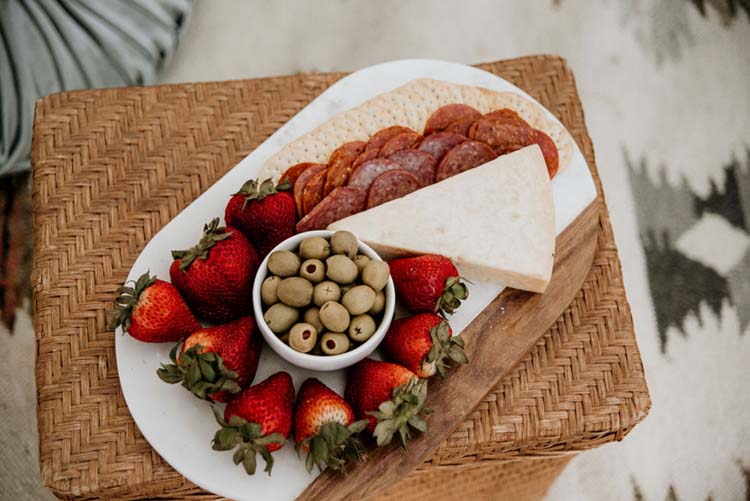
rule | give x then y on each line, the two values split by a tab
334	344
361	328
314	248
312	317
361	260
375	274
283	263
379	303
302	337
313	270
295	291
268	290
341	269
326	291
358	299
344	242
334	317
280	317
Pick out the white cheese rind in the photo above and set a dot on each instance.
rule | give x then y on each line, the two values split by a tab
496	222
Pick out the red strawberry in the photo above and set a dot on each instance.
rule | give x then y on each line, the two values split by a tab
216	276
324	425
258	420
428	283
266	215
153	311
216	362
422	344
389	396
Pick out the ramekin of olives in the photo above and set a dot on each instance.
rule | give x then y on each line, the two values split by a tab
323	300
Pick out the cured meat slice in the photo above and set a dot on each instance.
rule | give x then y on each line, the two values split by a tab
364	157
302	180
293	173
400	142
391	185
549	150
505	114
313	191
365	174
342	202
463	157
418	163
439	143
503	136
452	117
340	164
380	137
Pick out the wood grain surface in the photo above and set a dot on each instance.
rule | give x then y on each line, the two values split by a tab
496	341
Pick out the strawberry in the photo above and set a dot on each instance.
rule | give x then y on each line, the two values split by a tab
428	283
258	420
389	396
422	344
324	425
153	311
216	276
216	362
264	213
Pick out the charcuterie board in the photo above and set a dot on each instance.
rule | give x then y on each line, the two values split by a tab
500	329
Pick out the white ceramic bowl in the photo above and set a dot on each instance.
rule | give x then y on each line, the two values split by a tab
321	362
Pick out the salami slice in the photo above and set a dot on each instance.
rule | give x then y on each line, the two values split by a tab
365	174
503	136
439	143
549	150
418	163
452	117
364	157
505	114
391	185
293	173
342	202
463	157
302	180
313	191
340	164
400	142
380	137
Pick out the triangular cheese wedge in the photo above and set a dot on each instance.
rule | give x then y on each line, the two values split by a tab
496	222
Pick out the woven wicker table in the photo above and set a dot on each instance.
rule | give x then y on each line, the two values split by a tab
111	167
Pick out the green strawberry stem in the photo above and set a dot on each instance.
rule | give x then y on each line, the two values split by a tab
334	446
201	373
455	291
248	440
254	191
212	233
126	299
401	413
445	346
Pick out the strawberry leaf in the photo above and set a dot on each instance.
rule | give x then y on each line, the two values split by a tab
202	373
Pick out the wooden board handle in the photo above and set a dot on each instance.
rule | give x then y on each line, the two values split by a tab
496	341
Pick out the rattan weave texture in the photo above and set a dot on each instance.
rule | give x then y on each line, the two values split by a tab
111	167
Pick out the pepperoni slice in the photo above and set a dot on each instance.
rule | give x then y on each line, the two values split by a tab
452	117
418	163
302	180
549	150
365	174
380	137
439	143
340	164
391	185
503	136
364	157
293	173
463	157
340	203
505	114
400	142
313	191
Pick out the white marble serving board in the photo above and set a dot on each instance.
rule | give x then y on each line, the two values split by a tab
179	426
